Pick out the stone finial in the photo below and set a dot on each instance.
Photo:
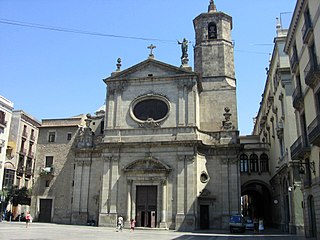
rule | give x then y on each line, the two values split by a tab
212	7
118	64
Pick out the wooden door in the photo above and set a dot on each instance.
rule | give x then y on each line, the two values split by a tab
146	206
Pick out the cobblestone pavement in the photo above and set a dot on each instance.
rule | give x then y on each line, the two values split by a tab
50	231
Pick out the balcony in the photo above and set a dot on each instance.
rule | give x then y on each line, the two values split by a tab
28	171
314	131
25	134
33	137
294	62
299	149
307	31
23	151
312	73
3	123
30	154
47	171
20	170
297	98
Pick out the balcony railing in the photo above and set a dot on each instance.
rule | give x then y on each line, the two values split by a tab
3	123
312	73
30	154
32	137
23	151
306	30
47	171
28	171
314	131
299	148
297	98
20	170
24	134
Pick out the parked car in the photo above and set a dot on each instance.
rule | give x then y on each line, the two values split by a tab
237	224
249	224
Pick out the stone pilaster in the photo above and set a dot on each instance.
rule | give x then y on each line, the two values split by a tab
182	104
163	223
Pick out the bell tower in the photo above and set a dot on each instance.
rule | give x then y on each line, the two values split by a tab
214	61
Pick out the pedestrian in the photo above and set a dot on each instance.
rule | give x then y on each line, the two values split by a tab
28	219
261	227
132	224
120	223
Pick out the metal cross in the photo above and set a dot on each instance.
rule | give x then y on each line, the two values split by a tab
151	47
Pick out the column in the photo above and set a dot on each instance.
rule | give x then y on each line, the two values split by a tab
105	185
181	105
77	187
164	201
129	189
111	107
85	186
191	106
113	186
190	185
180	185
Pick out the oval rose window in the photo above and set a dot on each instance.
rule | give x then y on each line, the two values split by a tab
155	109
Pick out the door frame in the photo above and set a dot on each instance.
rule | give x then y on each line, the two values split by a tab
38	206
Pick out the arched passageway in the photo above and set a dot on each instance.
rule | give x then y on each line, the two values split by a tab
255	201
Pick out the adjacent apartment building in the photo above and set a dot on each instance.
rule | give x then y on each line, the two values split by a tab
303	47
275	124
6	108
20	155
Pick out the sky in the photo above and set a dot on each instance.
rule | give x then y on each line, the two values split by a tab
54	54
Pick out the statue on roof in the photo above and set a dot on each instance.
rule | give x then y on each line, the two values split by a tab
184	49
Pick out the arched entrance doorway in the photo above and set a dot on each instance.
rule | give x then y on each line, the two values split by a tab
255	201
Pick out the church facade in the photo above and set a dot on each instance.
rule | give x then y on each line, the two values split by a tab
164	151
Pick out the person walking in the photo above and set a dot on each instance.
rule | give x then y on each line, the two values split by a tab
132	225
261	226
28	219
120	223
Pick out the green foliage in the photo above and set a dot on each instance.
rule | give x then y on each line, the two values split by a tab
18	196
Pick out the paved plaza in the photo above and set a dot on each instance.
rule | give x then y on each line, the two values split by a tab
49	231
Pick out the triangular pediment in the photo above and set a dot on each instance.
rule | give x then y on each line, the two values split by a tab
150	68
147	165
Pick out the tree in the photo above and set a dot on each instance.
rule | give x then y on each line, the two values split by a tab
18	196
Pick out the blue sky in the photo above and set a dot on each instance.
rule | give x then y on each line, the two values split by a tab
56	74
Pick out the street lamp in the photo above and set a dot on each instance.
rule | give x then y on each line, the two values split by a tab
307	164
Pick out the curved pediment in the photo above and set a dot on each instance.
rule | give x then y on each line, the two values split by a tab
147	165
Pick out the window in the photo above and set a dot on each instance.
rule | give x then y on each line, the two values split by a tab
47	183
150	109
49	161
102	126
8	178
52	137
22	149
32	134
212	30
254	163
69	136
243	163
2	118
264	163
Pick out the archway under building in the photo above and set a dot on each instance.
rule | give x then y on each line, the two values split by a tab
256	201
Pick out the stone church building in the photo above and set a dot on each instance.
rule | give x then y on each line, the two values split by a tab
164	151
